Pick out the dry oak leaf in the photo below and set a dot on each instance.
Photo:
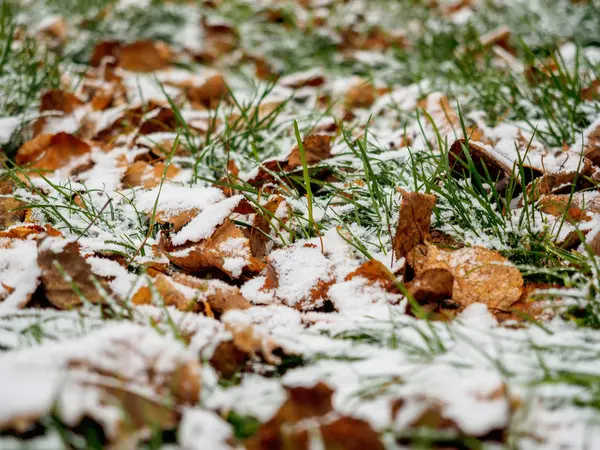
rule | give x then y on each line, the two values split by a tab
317	147
220	296
432	286
360	95
217	251
485	160
376	273
289	428
209	94
146	175
563	182
262	227
251	339
414	222
12	211
480	275
173	294
67	278
575	208
51	151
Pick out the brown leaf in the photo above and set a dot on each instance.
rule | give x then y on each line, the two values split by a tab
317	147
360	95
221	296
144	56
284	430
251	339
480	275
12	211
414	222
51	151
571	207
67	277
208	95
179	220
376	273
431	286
146	175
562	182
227	359
262	226
211	252
482	156
591	149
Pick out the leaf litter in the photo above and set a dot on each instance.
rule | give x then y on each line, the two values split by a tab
301	225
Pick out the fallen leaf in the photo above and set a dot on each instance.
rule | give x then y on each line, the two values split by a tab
317	147
144	56
480	275
432	286
12	211
146	175
261	228
414	222
214	252
484	160
376	273
360	95
209	94
290	429
67	278
51	151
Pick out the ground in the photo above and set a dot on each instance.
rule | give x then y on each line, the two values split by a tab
300	224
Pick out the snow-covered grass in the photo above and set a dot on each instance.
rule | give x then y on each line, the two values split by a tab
519	79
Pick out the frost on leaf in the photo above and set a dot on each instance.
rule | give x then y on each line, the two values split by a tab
480	275
67	278
483	160
124	377
227	249
51	151
414	222
308	414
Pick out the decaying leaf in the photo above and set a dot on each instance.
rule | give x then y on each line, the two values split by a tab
360	95
209	94
563	182
432	286
12	211
146	175
308	412
131	378
67	277
262	227
317	147
51	151
221	296
227	249
376	273
484	160
139	56
249	338
480	275
414	222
